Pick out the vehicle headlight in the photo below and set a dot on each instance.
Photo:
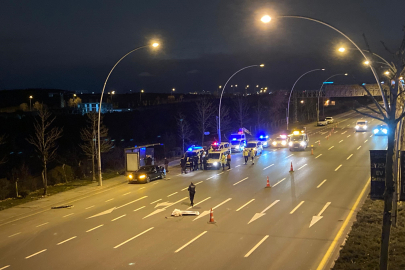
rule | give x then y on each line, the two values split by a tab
274	143
302	143
385	131
283	142
237	147
357	127
215	163
290	144
130	176
364	127
376	131
254	148
265	143
142	176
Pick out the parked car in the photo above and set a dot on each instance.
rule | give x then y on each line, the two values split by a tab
147	173
329	119
380	130
322	122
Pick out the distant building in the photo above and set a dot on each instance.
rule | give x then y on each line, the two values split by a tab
86	107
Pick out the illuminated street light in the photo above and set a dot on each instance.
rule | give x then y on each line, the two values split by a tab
341	49
387	73
366	62
31	97
266	19
155	44
302	101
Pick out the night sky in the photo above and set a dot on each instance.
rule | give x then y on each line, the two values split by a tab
72	45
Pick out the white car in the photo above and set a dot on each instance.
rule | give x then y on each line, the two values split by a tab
322	122
214	158
220	146
361	125
257	146
329	120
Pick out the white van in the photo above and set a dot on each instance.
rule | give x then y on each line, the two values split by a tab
214	158
361	125
255	145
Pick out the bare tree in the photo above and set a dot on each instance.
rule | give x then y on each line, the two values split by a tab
205	111
90	134
391	114
44	140
226	120
259	113
241	110
183	127
73	102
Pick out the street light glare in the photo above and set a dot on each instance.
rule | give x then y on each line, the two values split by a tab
341	49
387	73
366	62
142	91
261	65
31	97
155	44
323	69
266	19
346	74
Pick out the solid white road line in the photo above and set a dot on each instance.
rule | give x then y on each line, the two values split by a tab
155	201
89	207
117	246
126	193
139	208
331	147
296	207
32	255
302	166
198	183
245	204
109	200
199	202
349	157
321	184
256	246
240	181
118	217
358	147
4	267
14	234
348	136
289	156
268	167
69	214
340	141
172	194
279	182
60	243
338	167
92	229
366	141
191	241
318	156
131	202
42	224
227	200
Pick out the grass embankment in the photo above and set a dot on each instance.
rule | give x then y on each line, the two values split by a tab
362	248
52	190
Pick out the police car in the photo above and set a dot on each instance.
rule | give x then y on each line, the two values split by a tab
193	151
237	145
214	158
220	146
280	141
265	140
257	146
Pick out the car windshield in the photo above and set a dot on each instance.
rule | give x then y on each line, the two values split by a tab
251	145
145	169
361	123
280	139
235	143
328	118
297	138
213	155
191	154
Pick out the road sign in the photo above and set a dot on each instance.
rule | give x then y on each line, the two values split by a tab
377	164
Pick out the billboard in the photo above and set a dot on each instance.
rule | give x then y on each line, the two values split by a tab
377	166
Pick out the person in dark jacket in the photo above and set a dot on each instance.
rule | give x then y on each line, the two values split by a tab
191	191
166	165
190	162
205	158
183	165
195	162
149	160
200	160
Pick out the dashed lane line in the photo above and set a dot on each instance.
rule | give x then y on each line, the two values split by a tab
348	136
318	156
256	246
268	167
69	215
344	132
141	188
131	202
139	208
184	188
32	255
199	202
132	238
289	156
14	234
155	201
71	238
109	200
244	205
280	181
340	141
321	183
172	194
210	177
126	193
296	207
92	229
349	157
198	183
191	241
338	167
237	166
89	207
358	147
118	217
240	181
331	147
42	224
366	141
302	166
4	267
371	135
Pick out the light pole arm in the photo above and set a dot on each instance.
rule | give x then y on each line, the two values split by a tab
100	179
319	94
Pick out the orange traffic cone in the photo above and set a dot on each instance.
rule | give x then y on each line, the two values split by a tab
319	142
268	183
312	151
291	169
211	217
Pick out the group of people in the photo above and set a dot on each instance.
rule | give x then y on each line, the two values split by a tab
196	162
249	153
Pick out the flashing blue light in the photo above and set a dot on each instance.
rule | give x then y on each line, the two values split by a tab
385	131
363	84
328	82
267	136
375	131
261	136
234	139
190	149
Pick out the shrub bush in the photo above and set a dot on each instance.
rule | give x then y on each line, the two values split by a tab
60	174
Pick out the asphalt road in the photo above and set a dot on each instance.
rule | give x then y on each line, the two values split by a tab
256	227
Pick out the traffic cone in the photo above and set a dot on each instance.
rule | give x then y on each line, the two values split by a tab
312	151
291	168
327	137
319	142
211	217
268	183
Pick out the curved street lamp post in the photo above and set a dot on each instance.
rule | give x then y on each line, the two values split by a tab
100	179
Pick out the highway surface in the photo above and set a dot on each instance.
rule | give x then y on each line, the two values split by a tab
298	223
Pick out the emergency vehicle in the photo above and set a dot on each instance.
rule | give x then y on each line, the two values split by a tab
193	151
298	141
238	140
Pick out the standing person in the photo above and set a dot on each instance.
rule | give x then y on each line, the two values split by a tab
252	154
149	160
183	165
228	161
191	191
205	162
201	160
166	165
246	155
223	161
190	162
195	158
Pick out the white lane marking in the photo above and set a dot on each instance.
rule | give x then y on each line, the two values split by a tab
340	141
338	167
318	156
155	201
321	184
348	125
191	241
279	182
60	243
317	141
344	132
199	202
118	217
32	255
366	141
141	188
349	136
172	194
331	147
184	188
302	166
349	157
92	229
371	135
198	183
132	238
324	208
69	215
358	147
245	205
289	156
256	246
296	207
220	173
109	200
240	181
335	131
155	183
323	132
126	193
237	166
139	208
227	200
268	167
210	177
42	224
89	207
4	267
14	234
131	202
268	207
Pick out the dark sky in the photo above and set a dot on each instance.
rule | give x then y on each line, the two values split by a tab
73	45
